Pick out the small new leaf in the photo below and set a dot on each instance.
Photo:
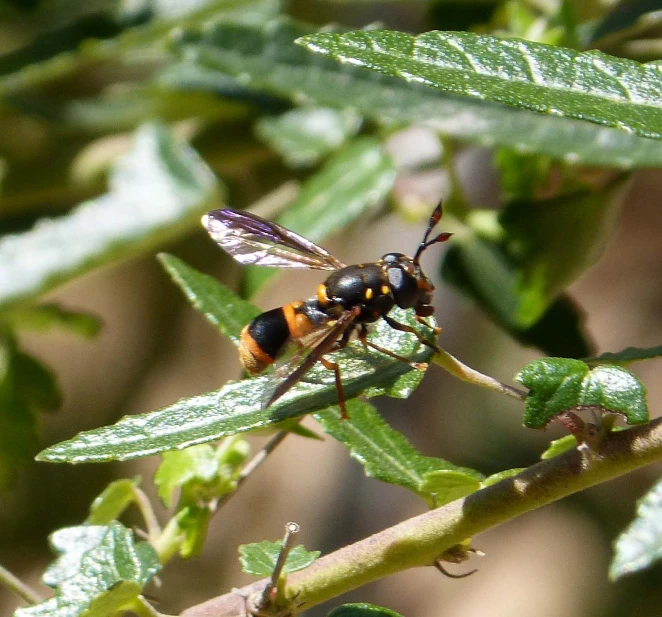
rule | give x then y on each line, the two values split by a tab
259	559
562	384
101	572
640	545
627	356
113	500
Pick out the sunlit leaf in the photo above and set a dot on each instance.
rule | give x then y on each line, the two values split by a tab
157	190
238	406
640	545
562	384
586	86
259	559
387	455
101	572
112	501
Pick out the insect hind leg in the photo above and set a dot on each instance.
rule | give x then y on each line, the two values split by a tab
333	366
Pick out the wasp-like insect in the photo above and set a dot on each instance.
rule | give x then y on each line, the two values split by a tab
346	302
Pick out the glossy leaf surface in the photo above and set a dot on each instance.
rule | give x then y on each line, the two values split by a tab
586	86
561	384
267	61
259	559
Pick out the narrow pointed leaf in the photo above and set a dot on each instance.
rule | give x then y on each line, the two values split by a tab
362	610
628	355
640	545
259	559
561	384
304	136
267	61
223	308
45	317
157	190
351	184
554	241
586	86
237	407
387	455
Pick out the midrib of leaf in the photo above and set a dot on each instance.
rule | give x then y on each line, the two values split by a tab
587	86
405	470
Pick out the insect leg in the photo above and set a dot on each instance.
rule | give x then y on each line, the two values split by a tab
333	366
421	366
396	325
435	329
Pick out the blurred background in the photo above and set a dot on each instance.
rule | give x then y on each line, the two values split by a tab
58	137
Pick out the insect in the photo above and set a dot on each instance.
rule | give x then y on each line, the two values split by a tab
350	299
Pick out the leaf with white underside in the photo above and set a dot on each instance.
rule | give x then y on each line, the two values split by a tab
157	191
589	86
266	60
640	545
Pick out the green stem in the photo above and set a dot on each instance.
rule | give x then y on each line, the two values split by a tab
147	512
420	540
465	373
15	584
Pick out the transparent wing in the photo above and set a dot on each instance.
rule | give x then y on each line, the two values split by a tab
253	240
309	354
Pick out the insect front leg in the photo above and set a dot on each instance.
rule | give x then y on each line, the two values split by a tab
396	325
363	334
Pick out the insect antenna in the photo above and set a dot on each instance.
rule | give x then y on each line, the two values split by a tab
435	217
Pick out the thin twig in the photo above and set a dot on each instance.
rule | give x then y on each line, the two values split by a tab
466	373
291	531
15	584
147	512
254	463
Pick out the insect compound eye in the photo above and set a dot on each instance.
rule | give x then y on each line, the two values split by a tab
403	286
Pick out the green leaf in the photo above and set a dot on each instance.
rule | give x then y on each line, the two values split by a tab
353	183
101	572
223	308
26	388
386	454
238	406
193	522
559	446
45	317
448	485
627	355
586	86
480	269
304	136
556	240
501	475
640	545
362	610
561	384
259	559
265	59
157	191
112	501
201	472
